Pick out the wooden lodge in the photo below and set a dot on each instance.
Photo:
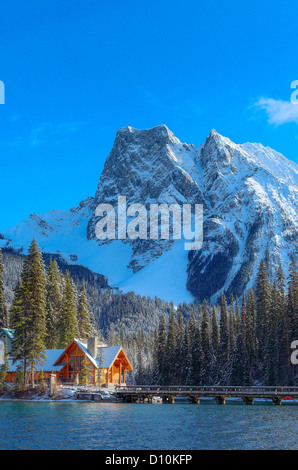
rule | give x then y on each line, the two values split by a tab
113	361
72	364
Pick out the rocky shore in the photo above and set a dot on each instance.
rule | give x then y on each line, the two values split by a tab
42	392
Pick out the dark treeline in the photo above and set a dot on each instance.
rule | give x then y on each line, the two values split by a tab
47	310
245	342
241	341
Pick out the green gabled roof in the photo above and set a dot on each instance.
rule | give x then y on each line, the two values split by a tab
8	332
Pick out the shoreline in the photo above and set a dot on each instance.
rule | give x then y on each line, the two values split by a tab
229	400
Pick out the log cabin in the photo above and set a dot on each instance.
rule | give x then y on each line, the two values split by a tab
109	364
109	361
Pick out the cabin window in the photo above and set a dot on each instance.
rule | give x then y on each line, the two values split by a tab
77	363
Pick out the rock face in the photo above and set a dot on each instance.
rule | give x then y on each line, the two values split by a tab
148	166
249	195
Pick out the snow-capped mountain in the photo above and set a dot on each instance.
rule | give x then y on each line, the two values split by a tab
249	195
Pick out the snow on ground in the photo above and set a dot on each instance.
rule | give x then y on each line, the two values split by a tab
63	393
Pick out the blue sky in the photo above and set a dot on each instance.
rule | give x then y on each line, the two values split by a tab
76	71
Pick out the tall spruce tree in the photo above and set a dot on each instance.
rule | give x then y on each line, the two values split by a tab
161	349
263	302
274	340
186	371
292	312
224	354
4	367
206	346
170	351
28	312
284	328
196	351
179	352
85	324
4	322
68	328
53	305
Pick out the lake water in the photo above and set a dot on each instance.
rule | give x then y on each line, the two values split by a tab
182	426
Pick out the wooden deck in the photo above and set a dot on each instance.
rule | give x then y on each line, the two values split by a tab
137	394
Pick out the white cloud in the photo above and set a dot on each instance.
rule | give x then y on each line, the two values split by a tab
278	111
49	131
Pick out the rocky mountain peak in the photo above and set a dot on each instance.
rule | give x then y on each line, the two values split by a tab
249	194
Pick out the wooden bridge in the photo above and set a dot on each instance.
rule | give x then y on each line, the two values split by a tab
140	394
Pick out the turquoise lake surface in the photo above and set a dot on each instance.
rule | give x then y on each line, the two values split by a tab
182	426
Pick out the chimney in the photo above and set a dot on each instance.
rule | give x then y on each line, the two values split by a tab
92	346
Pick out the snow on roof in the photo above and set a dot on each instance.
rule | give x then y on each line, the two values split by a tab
109	354
51	357
83	347
8	332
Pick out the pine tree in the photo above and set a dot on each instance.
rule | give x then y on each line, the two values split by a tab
53	304
274	340
179	353
29	312
205	344
186	372
20	377
224	354
5	366
263	301
84	314
215	332
68	329
4	322
232	324
284	329
196	352
292	311
84	377
214	347
237	316
155	374
100	364
251	338
18	323
170	369
161	350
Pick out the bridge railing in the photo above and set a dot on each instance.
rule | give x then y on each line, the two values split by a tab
207	389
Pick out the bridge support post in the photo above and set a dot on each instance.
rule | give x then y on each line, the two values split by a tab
220	400
168	399
134	399
248	400
195	400
276	400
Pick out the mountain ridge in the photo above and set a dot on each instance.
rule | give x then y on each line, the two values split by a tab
250	197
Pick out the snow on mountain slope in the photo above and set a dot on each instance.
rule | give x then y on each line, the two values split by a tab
250	199
165	277
64	233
